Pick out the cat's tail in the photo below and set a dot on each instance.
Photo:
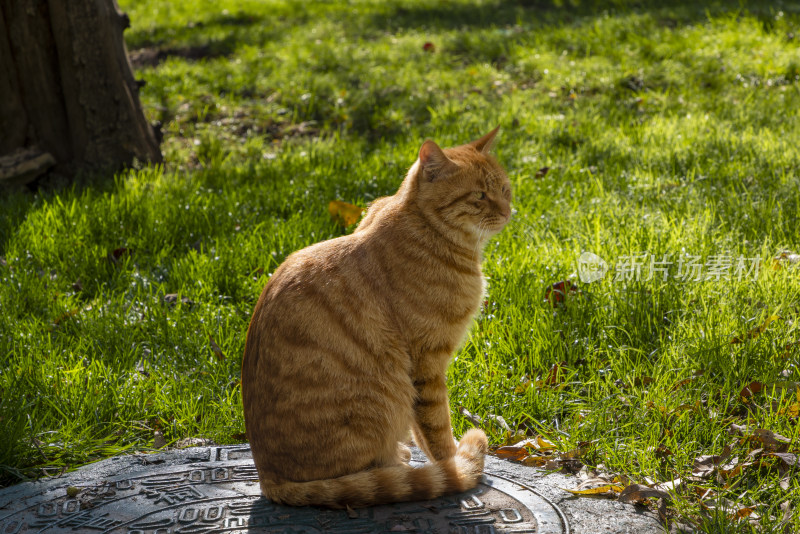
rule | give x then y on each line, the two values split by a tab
383	485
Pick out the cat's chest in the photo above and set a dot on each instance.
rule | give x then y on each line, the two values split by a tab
440	301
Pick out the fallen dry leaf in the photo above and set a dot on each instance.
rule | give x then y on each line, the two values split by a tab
512	452
553	464
553	376
733	468
607	489
526	383
680	383
185	443
514	437
598	480
785	259
117	255
557	293
786	520
215	349
741	513
662	452
343	213
685	408
790	410
172	298
672	485
496	420
751	389
642	381
788	349
499	421
66	315
637	493
471	417
536	461
731	509
755	332
737	430
543	444
704	465
769	438
159	442
788	458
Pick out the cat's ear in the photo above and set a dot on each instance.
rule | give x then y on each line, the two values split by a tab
433	162
486	143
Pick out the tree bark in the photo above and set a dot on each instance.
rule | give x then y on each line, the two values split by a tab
67	88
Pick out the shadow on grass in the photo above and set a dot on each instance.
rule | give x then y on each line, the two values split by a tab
543	13
218	36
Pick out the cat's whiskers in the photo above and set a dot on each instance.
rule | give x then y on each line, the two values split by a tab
481	229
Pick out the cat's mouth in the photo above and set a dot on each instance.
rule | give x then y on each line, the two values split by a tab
502	221
496	225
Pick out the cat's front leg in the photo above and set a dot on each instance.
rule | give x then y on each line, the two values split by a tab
432	429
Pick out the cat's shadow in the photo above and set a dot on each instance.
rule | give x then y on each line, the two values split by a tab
422	516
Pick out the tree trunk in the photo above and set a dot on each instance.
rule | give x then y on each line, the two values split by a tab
67	89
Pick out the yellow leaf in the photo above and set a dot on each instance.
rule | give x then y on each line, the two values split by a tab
520	389
608	488
792	410
683	408
536	461
544	444
343	213
67	315
513	438
512	453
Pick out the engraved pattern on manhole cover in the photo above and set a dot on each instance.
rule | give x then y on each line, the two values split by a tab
221	495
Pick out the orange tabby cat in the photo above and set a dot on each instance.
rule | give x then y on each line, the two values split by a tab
349	342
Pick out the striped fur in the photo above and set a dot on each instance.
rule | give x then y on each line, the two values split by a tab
349	343
382	485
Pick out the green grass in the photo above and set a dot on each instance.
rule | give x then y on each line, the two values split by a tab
667	130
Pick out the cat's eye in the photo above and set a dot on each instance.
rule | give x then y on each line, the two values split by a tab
481	195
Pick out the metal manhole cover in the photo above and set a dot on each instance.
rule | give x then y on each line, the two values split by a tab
220	494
